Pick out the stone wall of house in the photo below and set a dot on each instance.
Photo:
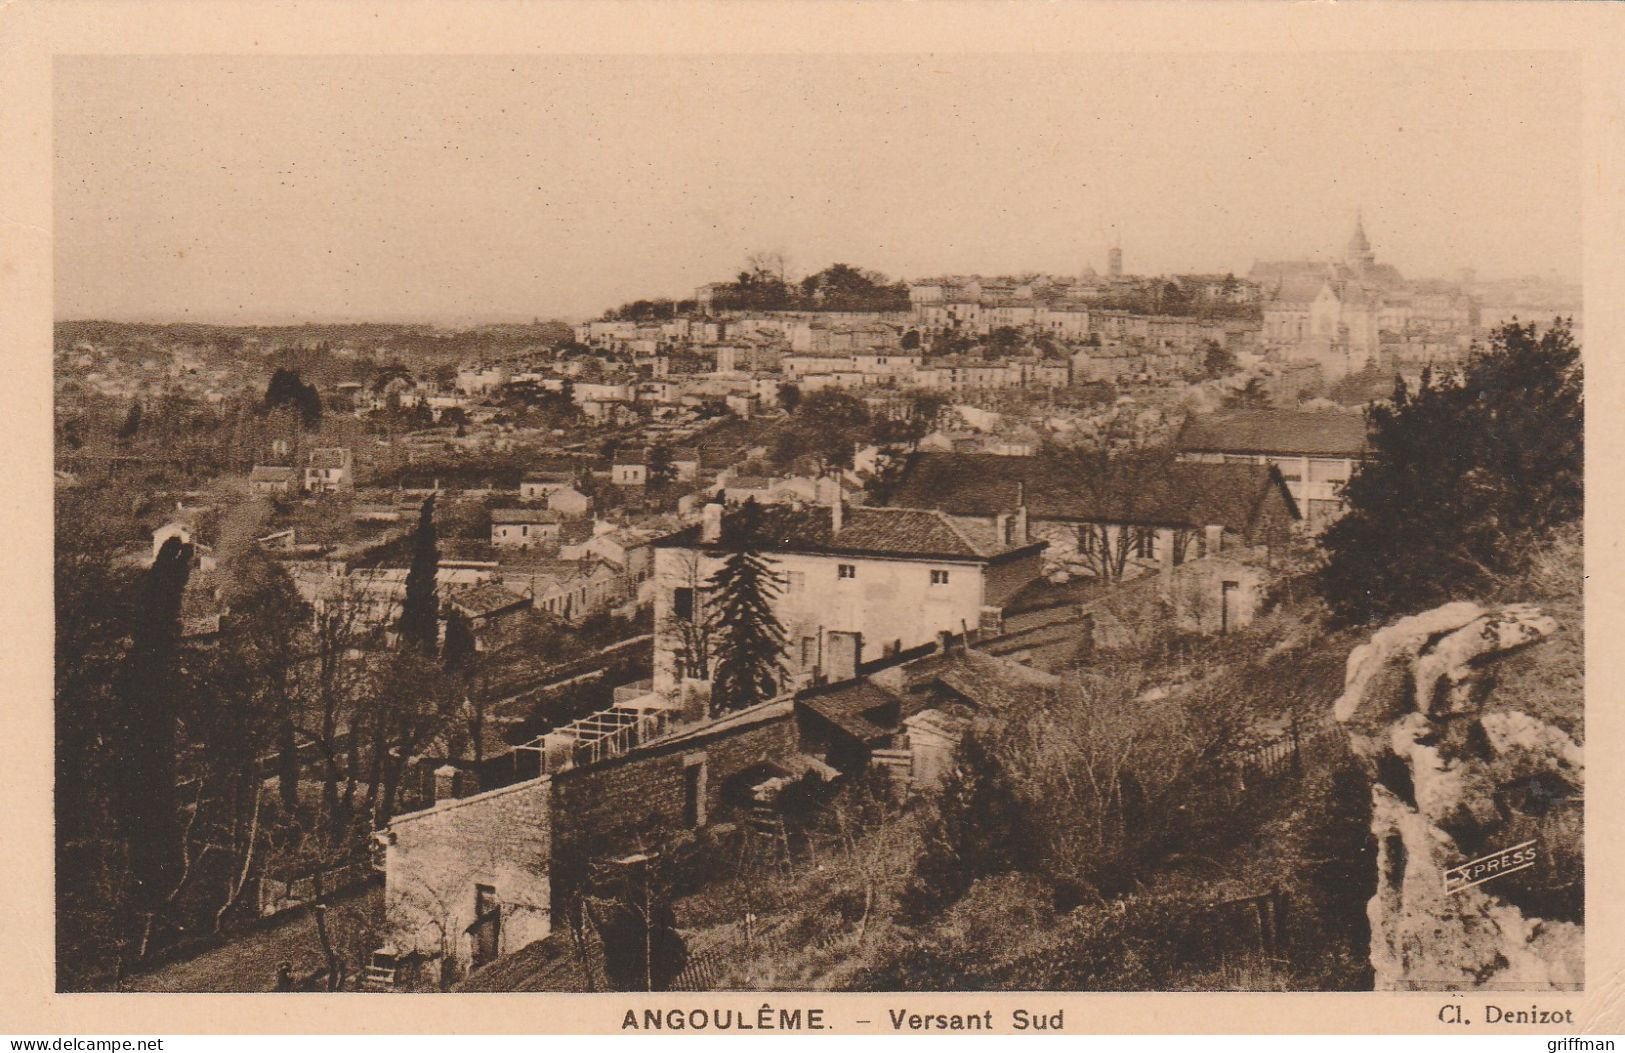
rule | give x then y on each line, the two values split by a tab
436	858
1007	577
637	802
1199	599
1460	772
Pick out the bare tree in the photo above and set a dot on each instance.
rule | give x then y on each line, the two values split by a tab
695	630
335	686
1112	772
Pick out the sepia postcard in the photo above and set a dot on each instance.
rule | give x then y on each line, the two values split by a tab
814	519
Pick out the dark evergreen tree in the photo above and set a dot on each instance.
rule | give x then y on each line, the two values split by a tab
1217	360
286	389
420	613
457	656
827	425
1463	474
132	422
750	642
147	689
659	465
977	829
1254	395
95	603
421	416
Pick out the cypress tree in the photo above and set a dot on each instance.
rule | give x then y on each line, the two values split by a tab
132	422
457	658
148	727
978	828
750	641
420	614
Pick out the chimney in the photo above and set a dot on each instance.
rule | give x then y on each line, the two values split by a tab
844	652
1020	528
445	782
1001	527
558	750
711	524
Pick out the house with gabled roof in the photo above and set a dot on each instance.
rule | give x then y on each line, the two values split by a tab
1130	516
329	469
524	527
267	479
540	485
491	609
855	583
1315	452
630	467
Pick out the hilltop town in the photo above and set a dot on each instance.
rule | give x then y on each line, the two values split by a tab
463	690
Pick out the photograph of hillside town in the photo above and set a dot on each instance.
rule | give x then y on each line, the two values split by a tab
787	524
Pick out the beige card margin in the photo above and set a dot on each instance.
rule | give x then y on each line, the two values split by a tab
31	31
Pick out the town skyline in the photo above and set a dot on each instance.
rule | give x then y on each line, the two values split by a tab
465	191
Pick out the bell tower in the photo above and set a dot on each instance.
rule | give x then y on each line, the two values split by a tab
1359	254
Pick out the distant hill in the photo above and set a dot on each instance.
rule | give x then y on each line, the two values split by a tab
402	339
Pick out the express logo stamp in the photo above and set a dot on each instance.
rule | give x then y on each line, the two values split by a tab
1497	864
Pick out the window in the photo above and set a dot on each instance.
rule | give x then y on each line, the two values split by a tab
1145	544
1086	540
846	571
682	603
939	577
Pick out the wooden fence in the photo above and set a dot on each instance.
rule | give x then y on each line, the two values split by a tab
1270	762
1257	922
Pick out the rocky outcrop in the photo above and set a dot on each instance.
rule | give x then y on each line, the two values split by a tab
1455	777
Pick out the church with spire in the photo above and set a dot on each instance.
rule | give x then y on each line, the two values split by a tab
1342	312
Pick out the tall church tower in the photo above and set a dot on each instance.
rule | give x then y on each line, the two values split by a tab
1114	261
1359	255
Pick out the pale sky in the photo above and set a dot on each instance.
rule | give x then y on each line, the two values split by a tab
411	188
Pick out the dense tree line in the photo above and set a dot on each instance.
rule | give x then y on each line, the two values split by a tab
655	310
762	286
1464	474
193	758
